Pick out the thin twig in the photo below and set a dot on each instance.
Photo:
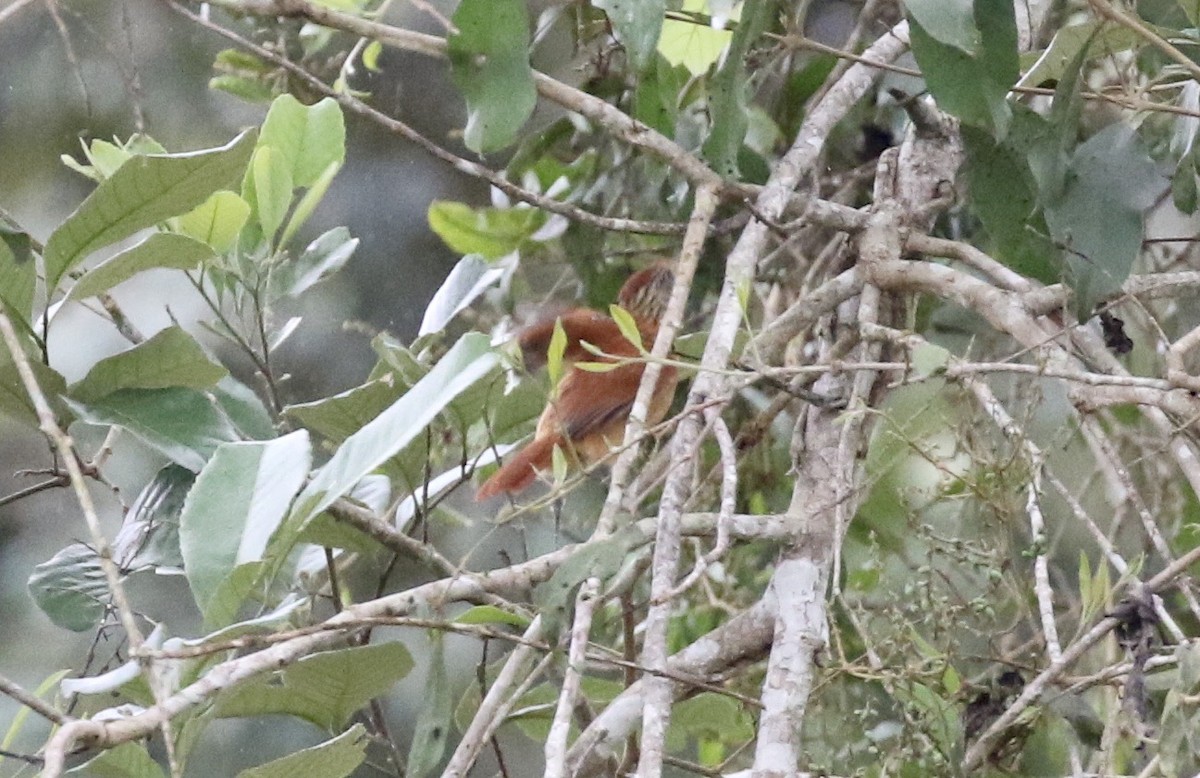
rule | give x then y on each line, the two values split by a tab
560	726
494	706
31	701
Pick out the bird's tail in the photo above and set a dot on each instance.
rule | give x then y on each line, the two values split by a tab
519	472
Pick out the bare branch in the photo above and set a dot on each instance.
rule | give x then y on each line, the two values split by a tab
560	727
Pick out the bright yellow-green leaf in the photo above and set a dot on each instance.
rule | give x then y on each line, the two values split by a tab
272	188
370	56
558	465
597	367
217	221
554	354
695	46
628	326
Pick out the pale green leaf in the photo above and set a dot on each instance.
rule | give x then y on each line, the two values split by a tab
272	188
555	352
1101	38
308	203
170	358
183	424
490	614
334	758
470	360
320	259
489	232
239	499
695	46
70	588
929	359
489	61
325	688
636	25
433	723
628	326
469	279
159	250
217	221
145	191
128	760
309	138
951	22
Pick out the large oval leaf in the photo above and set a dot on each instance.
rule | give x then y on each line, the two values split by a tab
170	358
489	60
467	362
144	191
238	500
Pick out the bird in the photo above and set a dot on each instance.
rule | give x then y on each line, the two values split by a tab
586	417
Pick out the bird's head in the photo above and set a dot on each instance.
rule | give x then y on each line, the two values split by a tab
646	293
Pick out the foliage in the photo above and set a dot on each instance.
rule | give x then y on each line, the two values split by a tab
1008	486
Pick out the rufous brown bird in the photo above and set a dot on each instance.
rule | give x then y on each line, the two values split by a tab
586	418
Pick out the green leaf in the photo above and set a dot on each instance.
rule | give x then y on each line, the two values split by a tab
14	400
601	559
1100	38
309	203
597	367
44	691
309	138
272	190
291	612
433	723
105	158
340	416
956	82
225	604
328	532
182	424
656	96
1005	195
694	46
128	760
239	499
469	279
370	56
637	25
728	91
489	61
70	588
217	221
326	688
145	190
929	359
170	358
334	758
707	715
554	353
1183	187
490	614
159	250
321	259
1098	220
951	22
490	232
470	360
244	409
18	272
628	326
